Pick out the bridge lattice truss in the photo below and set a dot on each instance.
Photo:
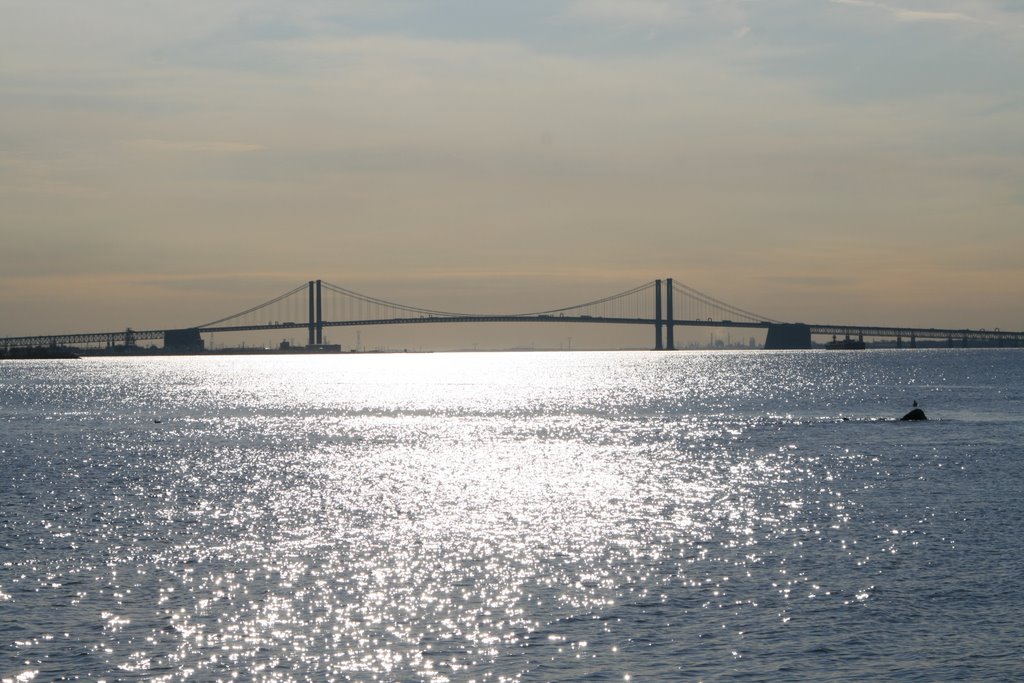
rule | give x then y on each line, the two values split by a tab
314	306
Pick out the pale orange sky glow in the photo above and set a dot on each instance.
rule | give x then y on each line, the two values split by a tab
848	162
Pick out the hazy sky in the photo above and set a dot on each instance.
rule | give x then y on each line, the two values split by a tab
853	161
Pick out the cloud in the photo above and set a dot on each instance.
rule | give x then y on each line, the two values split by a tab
905	14
415	152
38	177
196	146
646	12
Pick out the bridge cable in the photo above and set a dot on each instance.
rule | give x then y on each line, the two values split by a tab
710	300
596	302
255	308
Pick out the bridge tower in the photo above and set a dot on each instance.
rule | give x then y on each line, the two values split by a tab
312	314
670	316
657	316
319	314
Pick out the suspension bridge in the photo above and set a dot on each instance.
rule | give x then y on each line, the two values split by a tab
663	305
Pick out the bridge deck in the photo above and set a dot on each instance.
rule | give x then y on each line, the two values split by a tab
132	336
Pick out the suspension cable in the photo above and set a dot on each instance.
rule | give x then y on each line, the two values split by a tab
255	308
429	311
390	304
710	300
596	302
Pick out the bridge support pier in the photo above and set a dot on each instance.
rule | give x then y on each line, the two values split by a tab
183	341
788	336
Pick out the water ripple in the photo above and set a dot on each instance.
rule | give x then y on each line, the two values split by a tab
503	517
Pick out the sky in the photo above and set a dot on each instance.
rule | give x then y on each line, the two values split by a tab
833	162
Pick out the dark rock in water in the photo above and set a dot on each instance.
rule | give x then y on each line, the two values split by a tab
915	414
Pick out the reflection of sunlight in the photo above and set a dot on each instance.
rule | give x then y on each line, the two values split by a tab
430	502
423	515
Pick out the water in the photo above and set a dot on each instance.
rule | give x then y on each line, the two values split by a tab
497	517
